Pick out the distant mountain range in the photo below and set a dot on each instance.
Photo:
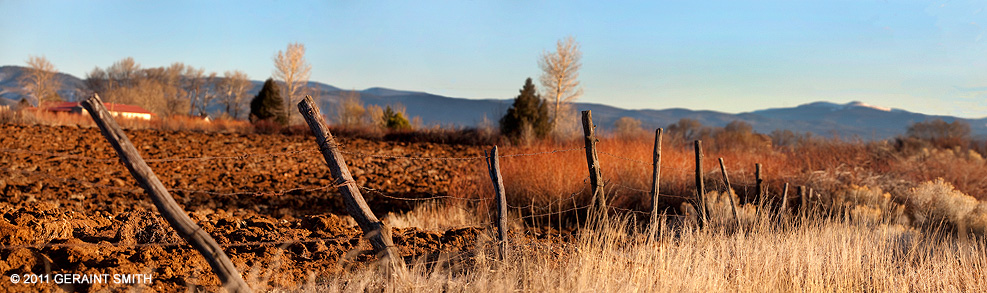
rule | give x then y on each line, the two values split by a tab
852	120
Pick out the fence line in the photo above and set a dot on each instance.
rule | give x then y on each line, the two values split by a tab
743	183
557	202
321	188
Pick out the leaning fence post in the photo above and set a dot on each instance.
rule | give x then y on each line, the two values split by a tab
784	201
655	177
726	179
176	216
378	233
700	186
493	165
593	161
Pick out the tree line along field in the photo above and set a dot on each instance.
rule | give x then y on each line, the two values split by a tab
882	219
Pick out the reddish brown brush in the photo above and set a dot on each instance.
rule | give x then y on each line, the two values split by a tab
826	166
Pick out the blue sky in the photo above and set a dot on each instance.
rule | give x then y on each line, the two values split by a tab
730	56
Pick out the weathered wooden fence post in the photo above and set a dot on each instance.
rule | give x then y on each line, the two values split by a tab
804	201
172	212
531	209
700	186
593	161
493	164
655	177
784	201
758	181
726	179
378	233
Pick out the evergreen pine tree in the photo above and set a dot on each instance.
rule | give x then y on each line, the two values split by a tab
268	104
529	111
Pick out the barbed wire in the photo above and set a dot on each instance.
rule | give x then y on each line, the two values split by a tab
169	244
67	156
189	191
648	164
321	188
541	153
239	157
573	209
618	185
469	158
627	159
643	212
274	154
431	197
152	160
74	181
572	197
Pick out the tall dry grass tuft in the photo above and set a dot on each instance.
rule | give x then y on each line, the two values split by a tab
436	216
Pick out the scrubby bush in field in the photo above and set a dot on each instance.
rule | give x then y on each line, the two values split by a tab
938	202
865	204
627	127
395	120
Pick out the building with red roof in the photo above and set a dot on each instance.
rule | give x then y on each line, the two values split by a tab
117	110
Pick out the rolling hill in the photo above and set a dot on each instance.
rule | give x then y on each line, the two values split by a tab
852	120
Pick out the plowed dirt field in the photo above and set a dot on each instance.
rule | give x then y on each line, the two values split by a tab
68	206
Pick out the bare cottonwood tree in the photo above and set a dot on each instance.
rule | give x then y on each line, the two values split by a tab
97	81
41	81
157	89
234	87
193	82
293	70
560	75
176	102
124	72
118	81
350	111
375	116
210	84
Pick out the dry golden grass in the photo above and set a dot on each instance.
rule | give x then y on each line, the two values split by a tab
435	216
810	254
872	226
